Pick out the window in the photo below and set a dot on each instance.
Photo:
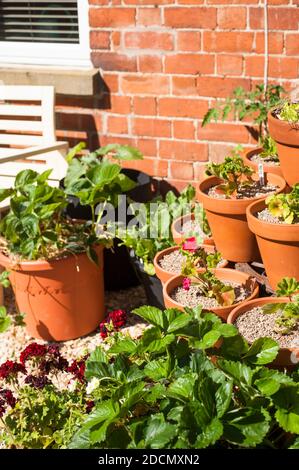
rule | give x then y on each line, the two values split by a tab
44	33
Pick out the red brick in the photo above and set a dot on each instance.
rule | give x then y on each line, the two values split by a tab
145	84
147	147
149	16
278	18
184	86
189	40
254	66
231	2
182	107
275	43
120	104
181	17
179	185
220	87
147	2
149	63
218	152
292	44
231	18
199	171
152	166
183	130
285	67
223	132
227	41
144	106
190	2
279	2
99	40
113	61
151	127
149	40
229	64
115	40
111	17
99	2
117	125
183	150
181	170
111	81
189	64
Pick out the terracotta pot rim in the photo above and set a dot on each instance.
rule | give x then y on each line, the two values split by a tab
260	300
251	214
40	265
281	121
216	180
255	287
168	250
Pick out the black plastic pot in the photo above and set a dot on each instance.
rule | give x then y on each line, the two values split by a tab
152	285
118	270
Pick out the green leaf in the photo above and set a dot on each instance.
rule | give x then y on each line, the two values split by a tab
80	440
158	433
5	320
295	444
286	401
209	340
5	193
233	347
25	177
182	388
97	364
179	322
240	372
124	345
262	351
247	426
152	315
210	434
269	381
104	411
74	151
157	369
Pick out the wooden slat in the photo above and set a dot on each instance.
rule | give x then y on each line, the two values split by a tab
13	168
15	125
15	154
21	110
17	139
23	93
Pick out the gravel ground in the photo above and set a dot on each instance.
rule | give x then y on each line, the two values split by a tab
266	216
15	338
174	261
191	298
246	192
192	228
257	159
256	324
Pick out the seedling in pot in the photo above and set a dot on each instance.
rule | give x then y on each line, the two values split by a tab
285	206
289	312
289	112
207	283
234	173
198	256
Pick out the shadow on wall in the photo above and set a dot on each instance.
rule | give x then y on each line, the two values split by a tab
80	118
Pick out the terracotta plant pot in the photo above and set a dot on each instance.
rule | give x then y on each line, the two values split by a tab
177	235
278	244
224	275
286	356
248	154
286	136
61	299
227	219
164	275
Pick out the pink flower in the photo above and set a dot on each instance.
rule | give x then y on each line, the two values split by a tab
190	244
186	283
33	350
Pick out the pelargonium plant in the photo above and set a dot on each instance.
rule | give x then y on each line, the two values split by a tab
197	256
113	322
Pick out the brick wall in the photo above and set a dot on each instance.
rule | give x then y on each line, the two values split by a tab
164	62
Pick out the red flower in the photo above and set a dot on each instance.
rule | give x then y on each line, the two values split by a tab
118	318
186	283
37	381
77	368
9	368
33	350
190	244
8	397
89	406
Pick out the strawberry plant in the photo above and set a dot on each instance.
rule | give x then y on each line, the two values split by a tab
163	391
285	206
234	173
289	312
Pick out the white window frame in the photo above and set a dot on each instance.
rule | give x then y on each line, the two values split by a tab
58	54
